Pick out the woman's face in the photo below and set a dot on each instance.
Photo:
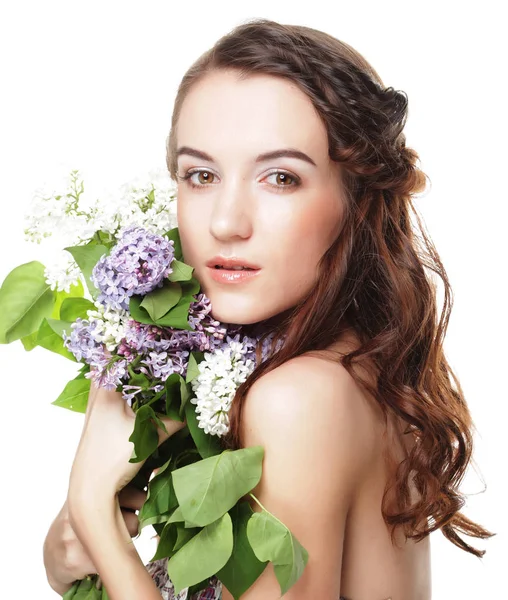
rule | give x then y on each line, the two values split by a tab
279	213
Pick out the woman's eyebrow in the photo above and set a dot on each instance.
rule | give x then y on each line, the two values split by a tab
288	152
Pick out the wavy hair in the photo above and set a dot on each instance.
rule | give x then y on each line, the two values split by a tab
373	276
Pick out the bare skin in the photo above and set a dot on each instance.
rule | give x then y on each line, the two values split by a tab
65	558
371	563
372	567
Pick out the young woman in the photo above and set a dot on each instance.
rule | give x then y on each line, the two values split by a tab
290	159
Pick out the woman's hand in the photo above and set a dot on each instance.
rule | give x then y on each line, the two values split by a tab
65	558
101	467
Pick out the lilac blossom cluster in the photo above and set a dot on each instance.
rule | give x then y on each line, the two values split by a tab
162	350
138	264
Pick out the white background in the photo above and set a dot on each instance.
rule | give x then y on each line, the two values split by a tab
90	85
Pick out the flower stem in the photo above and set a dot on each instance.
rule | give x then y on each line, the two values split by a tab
252	495
271	514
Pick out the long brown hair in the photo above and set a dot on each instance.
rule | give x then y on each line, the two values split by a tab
373	276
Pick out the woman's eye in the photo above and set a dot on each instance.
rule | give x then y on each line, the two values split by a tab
205	177
282	178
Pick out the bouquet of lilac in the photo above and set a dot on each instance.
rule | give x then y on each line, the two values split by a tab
146	331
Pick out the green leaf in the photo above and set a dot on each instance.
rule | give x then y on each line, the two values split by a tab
105	238
192	367
47	338
177	516
145	436
86	258
75	291
184	534
203	555
243	567
60	326
159	301
72	308
178	317
173	234
207	444
71	592
197	587
166	542
185	394
271	540
30	341
160	498
210	487
87	590
139	379
181	271
139	313
173	388
25	300
75	395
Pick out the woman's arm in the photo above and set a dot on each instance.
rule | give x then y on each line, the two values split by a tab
100	526
309	415
65	558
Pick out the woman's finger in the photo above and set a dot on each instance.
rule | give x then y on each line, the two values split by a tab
131	497
172	427
131	521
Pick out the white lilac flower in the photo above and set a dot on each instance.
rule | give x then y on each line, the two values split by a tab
66	215
62	272
71	218
149	203
110	325
220	374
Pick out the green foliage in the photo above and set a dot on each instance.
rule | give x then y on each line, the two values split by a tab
271	540
173	234
181	271
207	445
75	394
177	394
75	291
86	258
145	436
25	300
177	316
208	488
203	555
161	498
192	367
84	590
158	302
243	567
72	308
49	339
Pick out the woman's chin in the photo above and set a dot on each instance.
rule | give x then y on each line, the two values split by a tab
234	317
235	314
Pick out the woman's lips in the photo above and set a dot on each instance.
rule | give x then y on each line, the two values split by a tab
232	275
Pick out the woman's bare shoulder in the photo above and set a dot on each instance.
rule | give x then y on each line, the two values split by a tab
314	397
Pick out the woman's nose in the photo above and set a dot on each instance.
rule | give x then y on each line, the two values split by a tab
231	215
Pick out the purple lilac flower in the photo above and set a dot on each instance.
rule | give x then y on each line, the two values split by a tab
84	347
82	343
137	264
109	376
162	365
